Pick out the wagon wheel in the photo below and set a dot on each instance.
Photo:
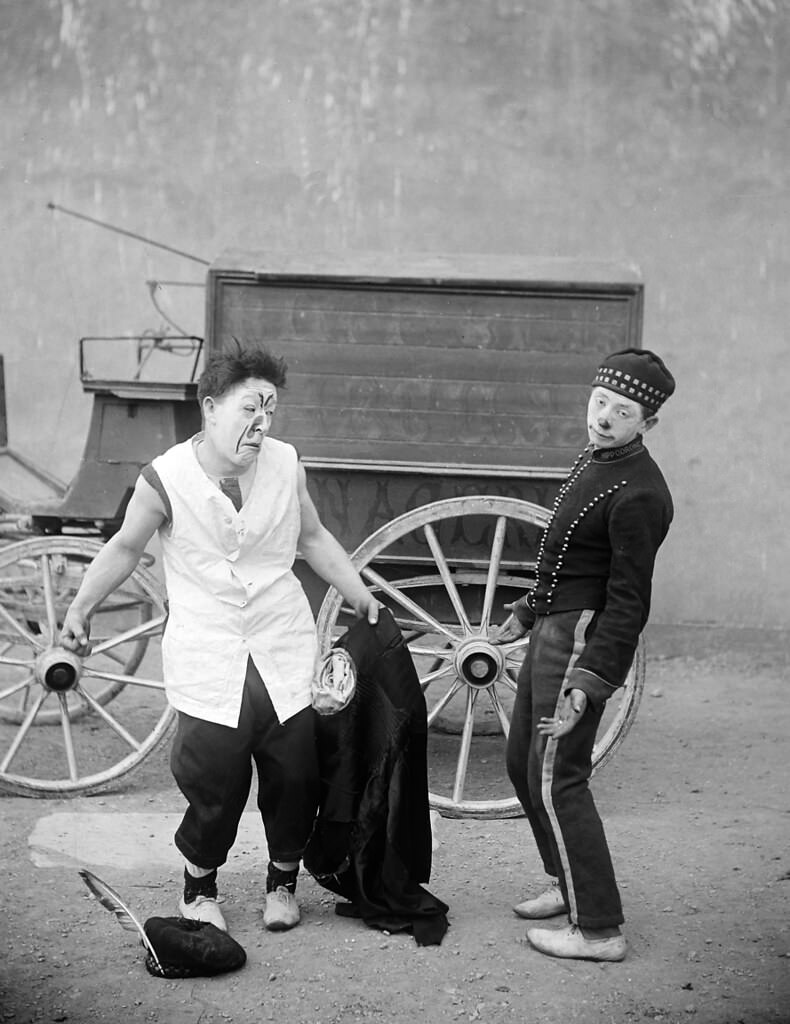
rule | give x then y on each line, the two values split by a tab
58	565
445	610
87	747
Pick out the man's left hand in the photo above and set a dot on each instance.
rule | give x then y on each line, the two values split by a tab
569	713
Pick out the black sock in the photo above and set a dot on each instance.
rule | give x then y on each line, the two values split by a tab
275	877
205	886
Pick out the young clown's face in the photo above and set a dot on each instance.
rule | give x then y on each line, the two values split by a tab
236	423
613	420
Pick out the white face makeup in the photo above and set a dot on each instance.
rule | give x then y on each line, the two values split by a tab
237	423
613	420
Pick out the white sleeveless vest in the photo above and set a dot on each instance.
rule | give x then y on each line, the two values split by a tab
231	588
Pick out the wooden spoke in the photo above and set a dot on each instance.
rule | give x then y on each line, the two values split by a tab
509	682
418	651
493	572
115	677
21	685
466	745
430	677
22	731
49	601
68	740
499	708
108	718
134	633
15	663
26	635
442	703
446	577
406	602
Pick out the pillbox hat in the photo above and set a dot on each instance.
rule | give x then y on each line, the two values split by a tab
638	374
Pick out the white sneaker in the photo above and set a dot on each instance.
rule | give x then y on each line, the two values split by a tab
282	910
203	908
548	904
571	943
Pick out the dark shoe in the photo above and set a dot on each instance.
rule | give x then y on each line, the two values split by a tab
571	944
548	904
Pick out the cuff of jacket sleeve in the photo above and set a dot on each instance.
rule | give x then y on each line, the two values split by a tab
525	615
596	687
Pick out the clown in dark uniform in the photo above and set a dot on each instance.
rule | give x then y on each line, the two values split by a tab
589	605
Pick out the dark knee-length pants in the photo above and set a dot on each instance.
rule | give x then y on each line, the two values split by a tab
551	777
212	765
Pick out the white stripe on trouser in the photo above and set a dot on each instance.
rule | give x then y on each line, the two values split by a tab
549	756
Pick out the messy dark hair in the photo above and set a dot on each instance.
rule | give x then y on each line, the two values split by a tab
225	370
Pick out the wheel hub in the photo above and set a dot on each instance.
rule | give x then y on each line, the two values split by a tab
478	662
58	669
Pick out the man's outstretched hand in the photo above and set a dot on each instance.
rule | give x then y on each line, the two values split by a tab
569	713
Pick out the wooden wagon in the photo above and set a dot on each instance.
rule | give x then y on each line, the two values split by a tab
436	404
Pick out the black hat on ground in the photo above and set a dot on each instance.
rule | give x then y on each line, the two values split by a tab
190	949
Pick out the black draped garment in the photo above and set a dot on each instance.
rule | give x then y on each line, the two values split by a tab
371	843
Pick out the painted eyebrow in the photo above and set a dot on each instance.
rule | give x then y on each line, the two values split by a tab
263	398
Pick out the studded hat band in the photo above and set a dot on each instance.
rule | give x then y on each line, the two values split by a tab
626	384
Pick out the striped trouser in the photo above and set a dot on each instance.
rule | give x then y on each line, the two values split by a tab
551	777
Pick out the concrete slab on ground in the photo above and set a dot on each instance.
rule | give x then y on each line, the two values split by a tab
129	840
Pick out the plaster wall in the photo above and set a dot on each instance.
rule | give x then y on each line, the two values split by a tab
592	131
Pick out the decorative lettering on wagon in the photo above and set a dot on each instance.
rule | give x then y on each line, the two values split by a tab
354	504
381	509
352	508
332	497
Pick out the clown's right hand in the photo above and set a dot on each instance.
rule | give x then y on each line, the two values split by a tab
75	633
512	629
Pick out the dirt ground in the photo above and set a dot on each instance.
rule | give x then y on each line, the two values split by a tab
697	808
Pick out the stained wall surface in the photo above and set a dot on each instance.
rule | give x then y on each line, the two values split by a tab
653	133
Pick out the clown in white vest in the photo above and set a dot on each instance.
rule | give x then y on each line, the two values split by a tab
231	508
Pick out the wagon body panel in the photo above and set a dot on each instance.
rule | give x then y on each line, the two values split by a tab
469	362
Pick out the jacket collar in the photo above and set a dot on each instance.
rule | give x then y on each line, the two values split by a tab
615	454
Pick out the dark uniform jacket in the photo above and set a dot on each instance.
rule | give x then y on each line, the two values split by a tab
598	552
